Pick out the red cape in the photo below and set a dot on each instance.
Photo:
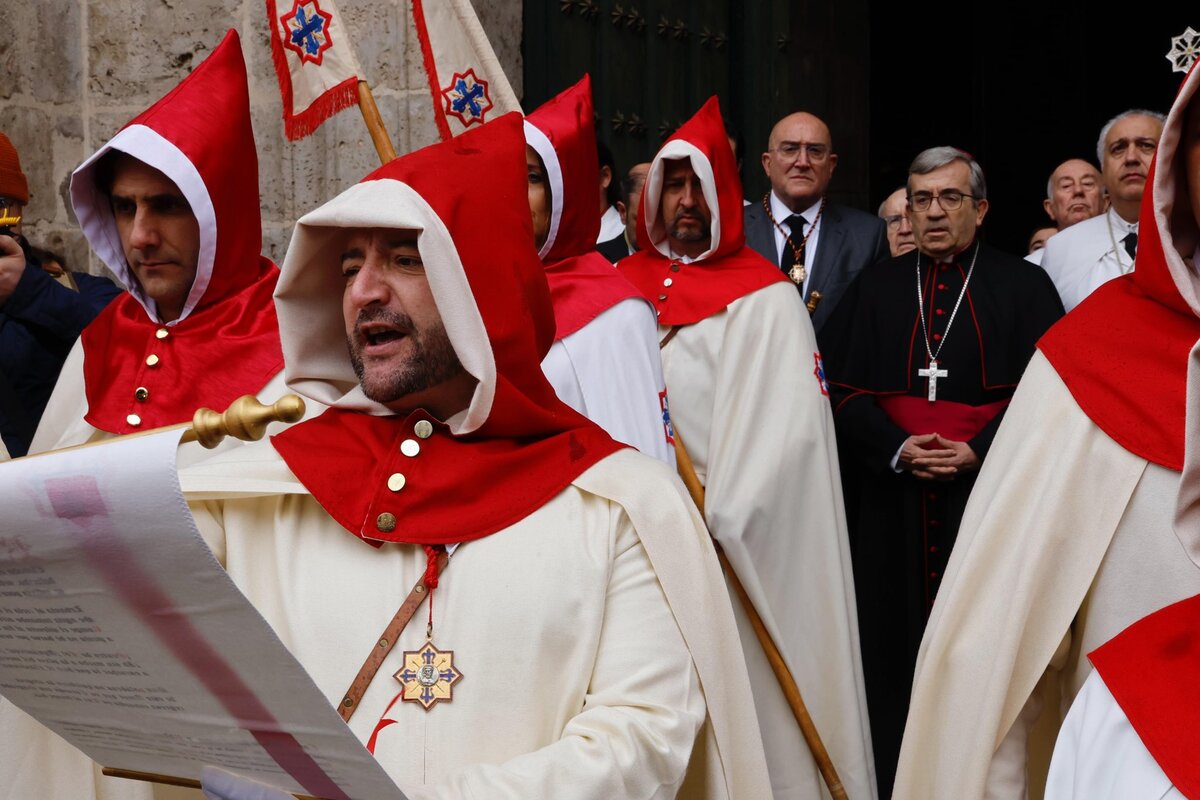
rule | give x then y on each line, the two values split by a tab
227	344
1151	669
686	293
531	446
1123	351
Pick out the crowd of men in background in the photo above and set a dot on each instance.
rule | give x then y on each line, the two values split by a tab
920	333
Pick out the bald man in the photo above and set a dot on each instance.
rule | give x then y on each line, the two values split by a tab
894	213
819	245
1074	192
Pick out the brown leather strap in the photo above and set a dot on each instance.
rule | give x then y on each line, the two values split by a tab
670	335
387	641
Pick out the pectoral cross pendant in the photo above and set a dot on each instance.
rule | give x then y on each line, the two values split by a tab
933	373
797	274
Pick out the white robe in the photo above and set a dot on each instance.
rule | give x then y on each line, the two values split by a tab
580	678
1066	541
63	423
1099	755
1089	253
610	371
748	403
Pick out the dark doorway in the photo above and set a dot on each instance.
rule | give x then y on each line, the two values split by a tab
1022	86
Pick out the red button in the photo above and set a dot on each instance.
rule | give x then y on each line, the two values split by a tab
945	267
941	312
937	337
933	548
941	286
933	575
933	523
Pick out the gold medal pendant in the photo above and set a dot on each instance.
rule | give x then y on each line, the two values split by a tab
797	274
428	675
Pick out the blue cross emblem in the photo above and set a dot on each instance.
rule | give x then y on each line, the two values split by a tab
467	98
307	30
306	34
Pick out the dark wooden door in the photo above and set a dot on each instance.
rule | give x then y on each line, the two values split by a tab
654	62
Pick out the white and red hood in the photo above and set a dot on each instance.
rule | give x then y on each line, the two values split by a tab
226	342
199	136
726	271
583	283
517	444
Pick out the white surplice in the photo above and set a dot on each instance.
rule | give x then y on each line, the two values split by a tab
1055	556
748	400
610	371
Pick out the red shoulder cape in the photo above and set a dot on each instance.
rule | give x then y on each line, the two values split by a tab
1151	668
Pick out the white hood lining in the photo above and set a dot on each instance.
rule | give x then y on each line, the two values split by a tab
651	200
539	142
1180	235
94	212
308	298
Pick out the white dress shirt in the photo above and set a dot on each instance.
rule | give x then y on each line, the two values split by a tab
611	225
1087	254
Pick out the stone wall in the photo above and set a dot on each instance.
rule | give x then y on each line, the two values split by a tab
74	71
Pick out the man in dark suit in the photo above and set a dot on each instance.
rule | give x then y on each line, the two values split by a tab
820	245
625	243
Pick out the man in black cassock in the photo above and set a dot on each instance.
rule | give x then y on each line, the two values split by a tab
922	356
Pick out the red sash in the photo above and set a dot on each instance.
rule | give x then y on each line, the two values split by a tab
957	421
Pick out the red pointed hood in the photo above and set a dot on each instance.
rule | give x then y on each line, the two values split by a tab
730	269
1123	352
583	284
225	343
562	132
199	136
517	444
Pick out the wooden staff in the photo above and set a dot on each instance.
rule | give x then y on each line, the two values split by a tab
370	114
687	471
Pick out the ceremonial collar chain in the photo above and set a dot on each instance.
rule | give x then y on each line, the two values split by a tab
933	355
797	273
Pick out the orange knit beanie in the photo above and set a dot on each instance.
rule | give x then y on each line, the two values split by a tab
12	179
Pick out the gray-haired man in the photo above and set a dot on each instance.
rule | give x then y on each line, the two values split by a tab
1099	249
922	356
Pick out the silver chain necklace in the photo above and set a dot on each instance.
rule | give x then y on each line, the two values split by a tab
932	372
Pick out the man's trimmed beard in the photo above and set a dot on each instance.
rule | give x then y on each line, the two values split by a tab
432	361
704	231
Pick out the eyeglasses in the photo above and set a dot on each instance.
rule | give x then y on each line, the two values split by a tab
790	151
949	200
893	221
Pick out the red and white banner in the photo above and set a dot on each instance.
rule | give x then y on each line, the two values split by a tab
467	83
318	73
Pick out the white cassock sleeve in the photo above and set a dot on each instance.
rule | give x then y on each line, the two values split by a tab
1099	755
610	371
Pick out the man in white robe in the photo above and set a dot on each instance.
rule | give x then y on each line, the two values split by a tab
197	326
604	362
1067	538
749	400
1098	249
582	601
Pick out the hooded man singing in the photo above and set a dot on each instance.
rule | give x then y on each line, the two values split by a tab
604	362
170	204
749	399
1079	524
587	647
